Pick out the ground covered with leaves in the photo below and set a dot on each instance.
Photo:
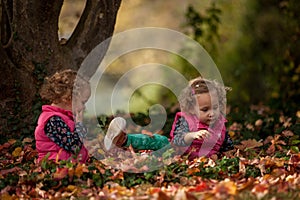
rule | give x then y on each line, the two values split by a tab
265	164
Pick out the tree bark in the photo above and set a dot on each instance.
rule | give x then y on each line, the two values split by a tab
30	50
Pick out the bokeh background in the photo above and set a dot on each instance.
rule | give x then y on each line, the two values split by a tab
254	44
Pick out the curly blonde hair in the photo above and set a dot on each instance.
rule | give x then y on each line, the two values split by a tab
199	85
62	85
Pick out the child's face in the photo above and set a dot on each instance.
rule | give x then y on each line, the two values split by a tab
208	107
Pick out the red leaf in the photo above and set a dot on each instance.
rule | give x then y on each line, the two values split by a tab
4	146
199	187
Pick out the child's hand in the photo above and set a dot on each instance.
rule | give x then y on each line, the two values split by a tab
201	134
189	137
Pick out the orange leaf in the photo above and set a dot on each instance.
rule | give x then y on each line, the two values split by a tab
154	190
231	133
80	169
192	170
60	173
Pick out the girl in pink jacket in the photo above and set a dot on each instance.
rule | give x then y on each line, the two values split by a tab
59	132
199	129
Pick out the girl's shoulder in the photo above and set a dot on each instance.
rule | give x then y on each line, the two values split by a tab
187	116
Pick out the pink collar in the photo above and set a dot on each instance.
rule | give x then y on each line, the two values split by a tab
49	108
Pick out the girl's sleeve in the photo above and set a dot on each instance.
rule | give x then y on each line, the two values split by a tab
59	132
181	129
227	144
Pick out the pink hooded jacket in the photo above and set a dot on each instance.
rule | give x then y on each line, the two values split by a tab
206	147
45	145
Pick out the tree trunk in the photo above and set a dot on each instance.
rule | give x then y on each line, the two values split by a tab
30	50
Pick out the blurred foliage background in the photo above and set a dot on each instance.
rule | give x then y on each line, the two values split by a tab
254	44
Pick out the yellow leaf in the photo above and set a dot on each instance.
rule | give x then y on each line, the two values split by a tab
71	188
231	133
17	152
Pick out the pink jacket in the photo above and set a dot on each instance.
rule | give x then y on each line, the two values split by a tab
206	147
44	145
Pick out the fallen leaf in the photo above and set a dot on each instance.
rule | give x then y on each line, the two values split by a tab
5	146
60	173
260	190
17	152
200	187
245	183
153	190
79	170
8	171
287	133
27	140
71	188
226	187
249	144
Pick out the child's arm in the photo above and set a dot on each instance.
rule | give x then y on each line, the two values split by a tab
181	128
59	132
